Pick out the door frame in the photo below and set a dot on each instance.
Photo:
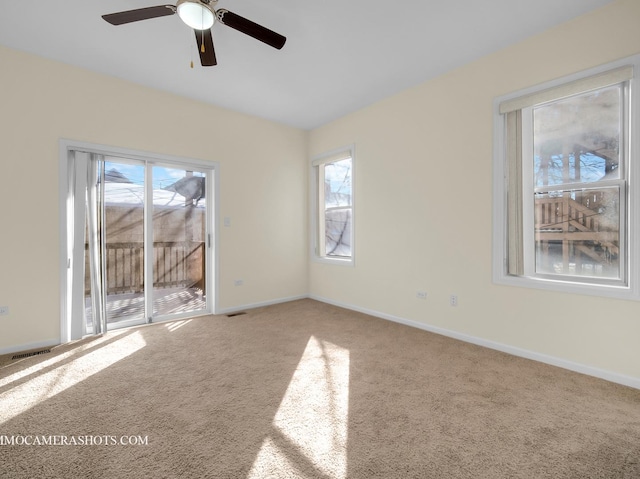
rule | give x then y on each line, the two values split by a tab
71	327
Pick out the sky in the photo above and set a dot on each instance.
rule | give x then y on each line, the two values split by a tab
133	193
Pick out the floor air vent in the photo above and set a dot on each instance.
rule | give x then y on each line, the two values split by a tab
32	353
231	315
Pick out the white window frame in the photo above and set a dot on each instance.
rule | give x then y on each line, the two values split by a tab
539	94
316	200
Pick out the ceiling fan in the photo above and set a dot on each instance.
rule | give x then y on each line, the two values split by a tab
200	15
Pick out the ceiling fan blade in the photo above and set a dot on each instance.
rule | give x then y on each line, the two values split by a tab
204	39
250	28
138	14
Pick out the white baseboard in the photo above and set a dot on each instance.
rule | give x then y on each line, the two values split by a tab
505	348
55	342
28	347
235	309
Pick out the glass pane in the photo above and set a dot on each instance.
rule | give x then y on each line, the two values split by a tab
179	234
337	183
576	140
577	232
338	232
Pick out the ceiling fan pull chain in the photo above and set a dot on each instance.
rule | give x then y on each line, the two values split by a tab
191	55
202	41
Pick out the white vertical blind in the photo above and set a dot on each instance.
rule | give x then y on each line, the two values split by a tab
85	207
515	260
95	223
76	210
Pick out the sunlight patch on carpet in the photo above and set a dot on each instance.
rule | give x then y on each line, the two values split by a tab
310	426
51	361
45	385
177	324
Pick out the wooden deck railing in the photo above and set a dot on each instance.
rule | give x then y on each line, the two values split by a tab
562	219
175	264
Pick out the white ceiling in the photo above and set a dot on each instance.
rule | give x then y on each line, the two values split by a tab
340	55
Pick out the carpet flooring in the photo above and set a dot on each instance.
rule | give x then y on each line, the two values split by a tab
306	390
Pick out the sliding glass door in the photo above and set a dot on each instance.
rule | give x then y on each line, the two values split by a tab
146	249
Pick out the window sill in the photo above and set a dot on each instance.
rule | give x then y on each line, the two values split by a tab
337	261
607	291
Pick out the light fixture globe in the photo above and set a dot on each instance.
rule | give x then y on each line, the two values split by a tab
197	15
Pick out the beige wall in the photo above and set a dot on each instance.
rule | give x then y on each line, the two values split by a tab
263	185
424	205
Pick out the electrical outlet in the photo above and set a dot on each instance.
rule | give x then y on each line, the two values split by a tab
421	294
453	300
4	310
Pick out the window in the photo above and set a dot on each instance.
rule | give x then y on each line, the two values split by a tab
564	191
332	176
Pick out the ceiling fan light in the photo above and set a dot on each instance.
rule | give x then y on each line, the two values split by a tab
195	14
